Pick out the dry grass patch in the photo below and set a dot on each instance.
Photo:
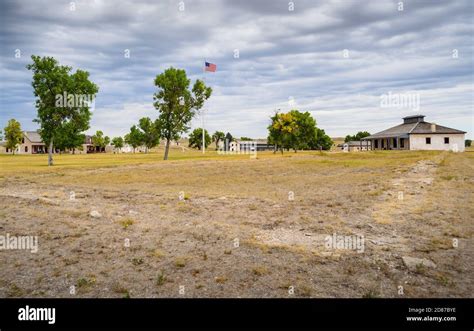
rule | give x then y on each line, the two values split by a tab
126	222
260	271
180	262
192	240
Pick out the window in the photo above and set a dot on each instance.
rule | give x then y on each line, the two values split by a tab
402	142
376	143
394	142
446	140
26	149
428	141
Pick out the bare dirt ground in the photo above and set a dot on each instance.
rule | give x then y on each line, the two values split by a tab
244	228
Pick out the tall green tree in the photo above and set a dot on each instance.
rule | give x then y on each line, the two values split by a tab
117	142
69	137
134	138
281	131
100	141
217	137
195	138
150	132
296	130
13	134
323	141
305	132
51	80
176	103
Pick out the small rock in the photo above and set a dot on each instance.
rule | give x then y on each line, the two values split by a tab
412	262
95	214
132	212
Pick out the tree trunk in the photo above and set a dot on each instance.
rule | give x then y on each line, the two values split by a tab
50	153
167	149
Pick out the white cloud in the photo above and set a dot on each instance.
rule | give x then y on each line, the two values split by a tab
281	54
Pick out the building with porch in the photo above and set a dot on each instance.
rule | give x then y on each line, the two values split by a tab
355	146
238	146
31	143
416	134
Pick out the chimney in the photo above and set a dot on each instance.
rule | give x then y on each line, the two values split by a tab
413	119
433	127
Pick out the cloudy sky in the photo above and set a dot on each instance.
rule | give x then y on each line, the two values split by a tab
335	59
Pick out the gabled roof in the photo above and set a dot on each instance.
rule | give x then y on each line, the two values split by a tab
405	129
425	127
33	136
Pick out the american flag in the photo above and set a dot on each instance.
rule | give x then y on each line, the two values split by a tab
210	67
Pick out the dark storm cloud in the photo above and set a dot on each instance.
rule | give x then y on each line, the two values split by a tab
284	55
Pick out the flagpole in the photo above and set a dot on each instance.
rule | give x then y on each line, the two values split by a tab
202	112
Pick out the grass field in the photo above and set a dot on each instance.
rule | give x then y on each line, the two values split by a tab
133	225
